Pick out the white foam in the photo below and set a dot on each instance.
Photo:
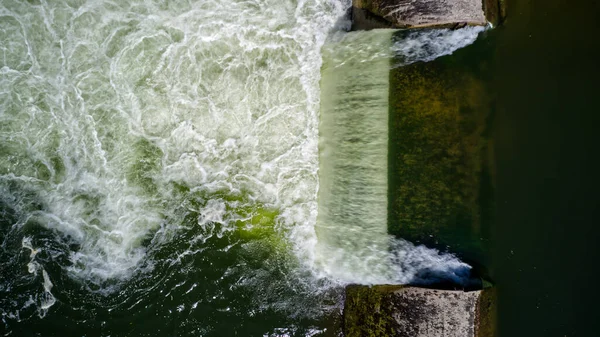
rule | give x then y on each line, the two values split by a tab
429	44
46	299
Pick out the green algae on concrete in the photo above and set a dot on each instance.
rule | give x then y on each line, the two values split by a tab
495	11
366	311
486	313
396	310
440	181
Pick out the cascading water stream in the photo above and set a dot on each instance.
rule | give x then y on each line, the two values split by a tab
161	159
352	218
354	246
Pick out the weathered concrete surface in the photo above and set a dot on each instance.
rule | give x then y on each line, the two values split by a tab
369	14
495	11
406	311
441	161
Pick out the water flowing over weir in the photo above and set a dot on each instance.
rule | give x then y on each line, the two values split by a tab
161	160
351	223
354	246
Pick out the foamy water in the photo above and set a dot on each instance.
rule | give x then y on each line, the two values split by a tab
429	44
110	104
120	119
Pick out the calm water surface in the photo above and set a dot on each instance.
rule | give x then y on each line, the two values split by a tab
545	238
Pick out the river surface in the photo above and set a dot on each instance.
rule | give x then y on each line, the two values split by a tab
544	244
218	168
161	165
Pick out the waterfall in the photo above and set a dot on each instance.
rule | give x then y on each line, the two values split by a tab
205	150
354	246
353	132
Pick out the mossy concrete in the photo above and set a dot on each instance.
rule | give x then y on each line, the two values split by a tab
486	313
440	177
495	11
388	310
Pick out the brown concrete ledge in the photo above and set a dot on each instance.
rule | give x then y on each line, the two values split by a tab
406	311
370	14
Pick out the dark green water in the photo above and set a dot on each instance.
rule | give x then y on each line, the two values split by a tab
545	237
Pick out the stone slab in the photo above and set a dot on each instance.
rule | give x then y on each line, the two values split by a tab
369	14
406	311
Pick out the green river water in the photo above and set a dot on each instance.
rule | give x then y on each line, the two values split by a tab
225	168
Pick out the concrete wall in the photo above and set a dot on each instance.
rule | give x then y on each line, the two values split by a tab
406	311
370	14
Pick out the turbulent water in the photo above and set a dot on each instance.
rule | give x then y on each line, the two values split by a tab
159	167
429	44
